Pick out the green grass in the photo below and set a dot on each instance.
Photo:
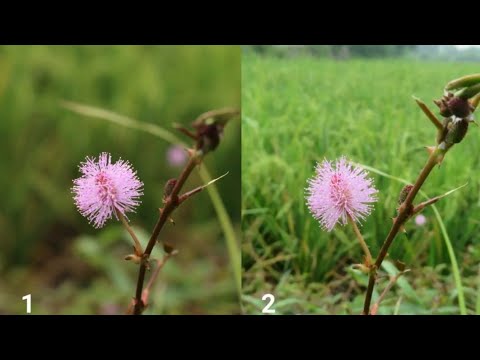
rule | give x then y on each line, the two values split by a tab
298	111
42	144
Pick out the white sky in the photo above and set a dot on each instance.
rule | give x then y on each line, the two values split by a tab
466	46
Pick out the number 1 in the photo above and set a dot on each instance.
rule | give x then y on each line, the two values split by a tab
29	302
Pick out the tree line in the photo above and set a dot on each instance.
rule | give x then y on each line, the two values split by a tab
438	52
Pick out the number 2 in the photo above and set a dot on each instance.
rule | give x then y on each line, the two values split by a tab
266	309
29	302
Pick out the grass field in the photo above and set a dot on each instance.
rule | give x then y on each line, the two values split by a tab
46	247
300	110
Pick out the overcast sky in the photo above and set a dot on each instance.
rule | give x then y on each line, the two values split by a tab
465	46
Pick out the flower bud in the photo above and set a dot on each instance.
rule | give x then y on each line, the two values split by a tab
457	130
443	132
209	128
442	105
209	137
404	193
459	107
169	249
133	257
400	265
167	190
361	267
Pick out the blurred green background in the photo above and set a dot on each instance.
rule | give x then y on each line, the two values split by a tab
299	108
47	248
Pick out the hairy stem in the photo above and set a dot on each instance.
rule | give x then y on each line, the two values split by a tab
363	244
137	245
403	214
170	205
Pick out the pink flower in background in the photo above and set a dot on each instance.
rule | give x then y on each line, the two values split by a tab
339	191
420	220
176	155
104	187
110	309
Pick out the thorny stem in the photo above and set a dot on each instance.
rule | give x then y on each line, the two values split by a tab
363	244
431	201
403	215
170	205
429	114
137	245
190	193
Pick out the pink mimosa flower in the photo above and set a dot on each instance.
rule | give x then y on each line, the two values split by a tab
176	155
104	188
420	220
338	192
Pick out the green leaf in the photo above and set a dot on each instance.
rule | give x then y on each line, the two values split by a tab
256	302
464	81
402	282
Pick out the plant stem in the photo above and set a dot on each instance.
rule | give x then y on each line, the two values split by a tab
137	245
160	264
170	205
363	244
393	280
428	113
403	214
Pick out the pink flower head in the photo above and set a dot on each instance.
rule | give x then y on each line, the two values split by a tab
335	193
420	220
105	187
176	155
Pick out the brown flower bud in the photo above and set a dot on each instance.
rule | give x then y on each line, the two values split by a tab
442	105
133	257
209	128
167	190
443	132
168	248
459	107
209	137
404	193
457	130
